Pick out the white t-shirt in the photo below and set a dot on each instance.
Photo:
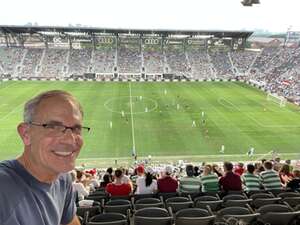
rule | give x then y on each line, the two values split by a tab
81	190
141	186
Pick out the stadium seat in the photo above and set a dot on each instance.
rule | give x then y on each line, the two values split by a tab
235	200
245	215
125	197
277	214
288	194
97	197
142	196
166	195
178	203
213	202
292	201
118	206
108	219
194	216
152	216
264	201
148	202
191	195
87	212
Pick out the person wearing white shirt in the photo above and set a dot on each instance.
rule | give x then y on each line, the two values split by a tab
146	184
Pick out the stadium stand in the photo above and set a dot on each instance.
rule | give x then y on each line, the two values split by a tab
242	207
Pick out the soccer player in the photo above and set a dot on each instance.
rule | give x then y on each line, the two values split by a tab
203	117
123	114
110	124
222	150
194	123
250	153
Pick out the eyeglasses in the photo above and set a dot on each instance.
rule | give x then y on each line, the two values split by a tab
59	129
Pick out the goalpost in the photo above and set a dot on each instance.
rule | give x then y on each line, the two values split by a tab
276	99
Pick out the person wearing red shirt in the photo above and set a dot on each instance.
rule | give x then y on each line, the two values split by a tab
230	181
167	183
118	187
239	169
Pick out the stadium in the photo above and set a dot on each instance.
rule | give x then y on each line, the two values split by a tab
144	89
169	100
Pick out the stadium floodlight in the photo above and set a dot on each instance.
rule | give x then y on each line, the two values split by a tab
249	2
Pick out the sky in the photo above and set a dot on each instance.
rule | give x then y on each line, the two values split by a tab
271	15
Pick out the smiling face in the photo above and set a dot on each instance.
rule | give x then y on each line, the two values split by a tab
47	154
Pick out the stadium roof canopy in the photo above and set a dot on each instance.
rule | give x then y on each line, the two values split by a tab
98	31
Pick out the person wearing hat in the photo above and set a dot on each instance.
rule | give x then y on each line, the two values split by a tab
138	172
146	184
167	183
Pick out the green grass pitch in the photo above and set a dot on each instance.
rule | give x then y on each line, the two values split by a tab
158	119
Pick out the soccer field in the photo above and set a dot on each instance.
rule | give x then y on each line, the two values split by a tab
158	120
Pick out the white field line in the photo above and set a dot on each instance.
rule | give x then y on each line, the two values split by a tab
132	126
193	156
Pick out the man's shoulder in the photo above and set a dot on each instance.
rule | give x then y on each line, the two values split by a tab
8	174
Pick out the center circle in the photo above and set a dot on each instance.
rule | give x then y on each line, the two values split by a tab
140	104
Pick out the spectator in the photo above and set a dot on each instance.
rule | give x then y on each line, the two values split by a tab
94	182
285	174
146	184
294	184
110	171
239	169
167	183
118	187
270	178
36	188
189	183
138	172
106	179
217	170
230	181
209	180
250	180
196	171
78	186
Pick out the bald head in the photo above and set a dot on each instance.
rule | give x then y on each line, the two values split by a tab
30	108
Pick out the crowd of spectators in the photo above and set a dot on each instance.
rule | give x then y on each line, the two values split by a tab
177	61
79	60
129	59
272	175
103	60
31	61
54	62
242	60
10	58
153	61
200	63
221	63
277	67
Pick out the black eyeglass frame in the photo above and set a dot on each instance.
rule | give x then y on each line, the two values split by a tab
46	125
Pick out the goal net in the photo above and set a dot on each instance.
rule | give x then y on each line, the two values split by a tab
281	101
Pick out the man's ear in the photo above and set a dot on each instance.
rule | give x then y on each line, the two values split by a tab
23	130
